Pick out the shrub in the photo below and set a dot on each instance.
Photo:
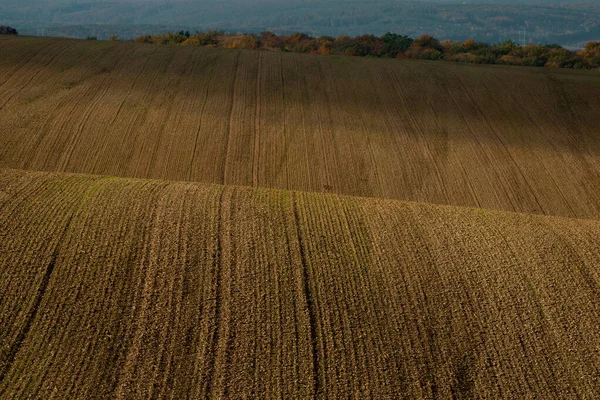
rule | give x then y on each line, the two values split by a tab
7	30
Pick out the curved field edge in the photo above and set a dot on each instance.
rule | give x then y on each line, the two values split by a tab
135	289
506	138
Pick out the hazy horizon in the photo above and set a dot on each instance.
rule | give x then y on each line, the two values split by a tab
549	21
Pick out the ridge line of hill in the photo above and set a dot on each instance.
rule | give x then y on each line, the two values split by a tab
276	190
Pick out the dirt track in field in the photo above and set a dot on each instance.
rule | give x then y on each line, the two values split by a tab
506	138
149	289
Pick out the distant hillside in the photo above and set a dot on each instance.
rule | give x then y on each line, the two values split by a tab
538	21
509	138
120	288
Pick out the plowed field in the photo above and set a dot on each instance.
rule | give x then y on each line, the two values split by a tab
507	138
148	289
164	231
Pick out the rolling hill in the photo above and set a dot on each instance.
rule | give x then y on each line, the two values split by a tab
514	139
151	289
212	223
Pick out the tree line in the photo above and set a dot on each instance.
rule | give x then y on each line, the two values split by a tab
392	45
7	30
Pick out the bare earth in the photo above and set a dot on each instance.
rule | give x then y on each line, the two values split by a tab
214	266
144	289
507	138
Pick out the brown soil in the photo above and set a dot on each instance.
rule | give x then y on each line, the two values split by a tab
142	289
232	275
514	139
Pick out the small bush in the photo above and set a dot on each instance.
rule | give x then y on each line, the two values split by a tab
7	30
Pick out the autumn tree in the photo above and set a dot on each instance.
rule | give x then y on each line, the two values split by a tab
210	38
395	44
191	41
324	45
299	43
428	42
269	40
426	47
505	48
143	39
343	45
591	54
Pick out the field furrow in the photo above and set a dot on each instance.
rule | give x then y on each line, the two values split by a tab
200	111
211	136
135	289
513	139
39	66
17	57
274	225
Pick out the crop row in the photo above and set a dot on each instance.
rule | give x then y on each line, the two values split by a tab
504	138
132	288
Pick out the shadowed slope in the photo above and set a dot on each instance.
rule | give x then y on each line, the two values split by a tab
515	139
138	289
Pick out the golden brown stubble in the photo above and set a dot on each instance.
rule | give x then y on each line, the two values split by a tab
262	342
157	299
108	278
560	263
